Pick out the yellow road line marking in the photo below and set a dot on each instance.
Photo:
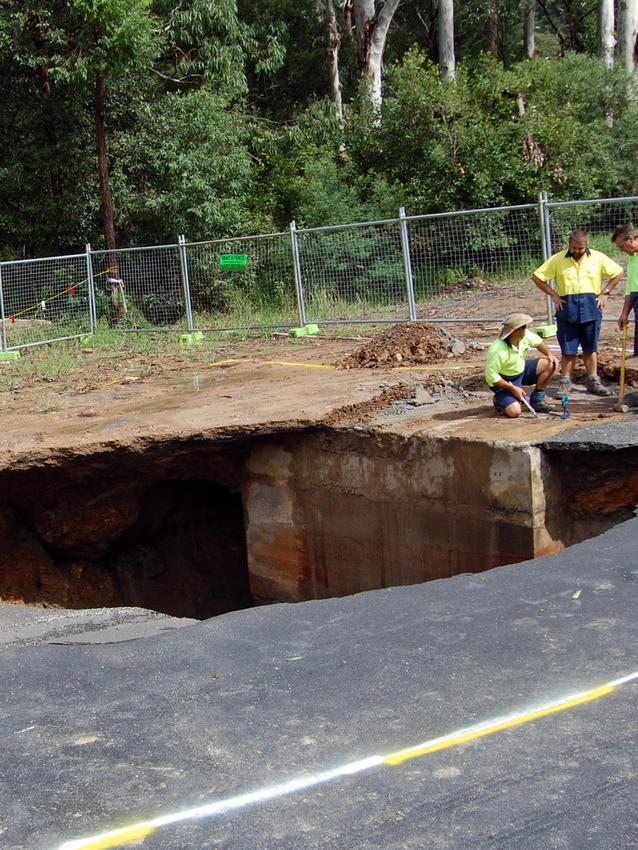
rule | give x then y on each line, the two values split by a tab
471	734
140	830
115	838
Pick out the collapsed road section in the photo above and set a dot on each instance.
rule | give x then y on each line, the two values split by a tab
195	527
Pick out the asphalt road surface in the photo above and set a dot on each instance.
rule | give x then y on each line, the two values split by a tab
286	726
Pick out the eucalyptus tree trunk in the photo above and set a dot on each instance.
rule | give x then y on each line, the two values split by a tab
371	32
334	44
628	34
606	40
118	300
108	226
529	29
447	62
492	29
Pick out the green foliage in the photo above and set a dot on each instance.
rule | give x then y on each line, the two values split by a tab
185	167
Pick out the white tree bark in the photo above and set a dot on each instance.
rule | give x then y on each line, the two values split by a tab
529	29
447	59
371	30
606	40
628	34
334	43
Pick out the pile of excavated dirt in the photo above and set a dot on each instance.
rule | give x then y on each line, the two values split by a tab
408	344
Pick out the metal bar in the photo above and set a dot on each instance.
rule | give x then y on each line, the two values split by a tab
42	259
546	240
132	250
45	341
427	320
591	201
471	212
298	278
211	330
415	218
91	287
407	262
350	226
183	262
3	338
236	239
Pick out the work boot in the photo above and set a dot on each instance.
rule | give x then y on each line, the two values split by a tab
537	401
595	386
564	387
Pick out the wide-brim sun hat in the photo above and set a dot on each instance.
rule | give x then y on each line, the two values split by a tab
513	322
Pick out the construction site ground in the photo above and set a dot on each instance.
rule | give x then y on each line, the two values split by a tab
275	381
491	710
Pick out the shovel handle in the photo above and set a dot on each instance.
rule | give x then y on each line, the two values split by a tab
528	405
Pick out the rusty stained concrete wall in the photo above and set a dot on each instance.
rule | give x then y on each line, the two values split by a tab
338	513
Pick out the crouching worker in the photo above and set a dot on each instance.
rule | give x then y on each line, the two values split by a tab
507	371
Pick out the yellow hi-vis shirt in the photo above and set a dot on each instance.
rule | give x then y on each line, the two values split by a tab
581	278
505	360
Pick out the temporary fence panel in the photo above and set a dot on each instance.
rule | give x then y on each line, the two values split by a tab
439	267
353	273
598	217
244	283
140	289
457	257
44	300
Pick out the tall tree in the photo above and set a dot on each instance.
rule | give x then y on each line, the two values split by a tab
529	29
606	40
628	34
106	38
372	21
334	45
447	61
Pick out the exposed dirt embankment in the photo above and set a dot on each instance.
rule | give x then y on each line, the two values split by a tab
161	529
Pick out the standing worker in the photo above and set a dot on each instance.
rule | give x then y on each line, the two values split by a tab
624	237
579	299
507	371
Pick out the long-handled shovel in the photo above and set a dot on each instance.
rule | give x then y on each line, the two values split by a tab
619	407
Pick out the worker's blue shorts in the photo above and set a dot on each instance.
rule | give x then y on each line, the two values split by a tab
503	398
571	334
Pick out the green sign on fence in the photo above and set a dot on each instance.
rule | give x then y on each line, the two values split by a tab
233	261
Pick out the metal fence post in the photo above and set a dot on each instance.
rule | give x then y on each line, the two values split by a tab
183	261
91	288
298	279
3	335
407	262
546	242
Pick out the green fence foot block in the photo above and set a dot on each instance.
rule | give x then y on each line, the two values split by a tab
87	338
195	338
311	330
298	332
545	331
8	356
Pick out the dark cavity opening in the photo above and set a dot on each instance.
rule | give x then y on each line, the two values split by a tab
186	553
179	548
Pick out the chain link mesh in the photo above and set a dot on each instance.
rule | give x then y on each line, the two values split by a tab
353	273
348	274
44	300
455	254
140	289
242	283
598	218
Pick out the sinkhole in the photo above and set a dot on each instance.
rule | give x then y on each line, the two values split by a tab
199	527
